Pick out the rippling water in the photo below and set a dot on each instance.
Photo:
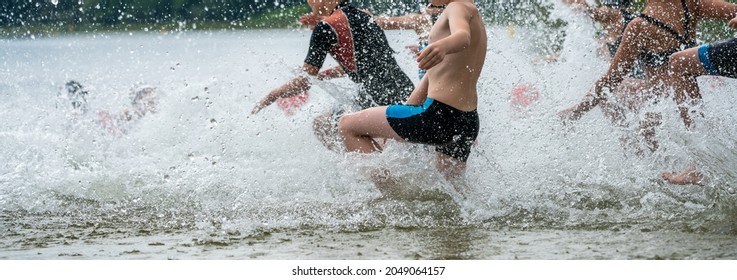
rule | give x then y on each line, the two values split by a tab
204	179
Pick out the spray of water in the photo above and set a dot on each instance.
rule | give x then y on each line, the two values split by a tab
203	163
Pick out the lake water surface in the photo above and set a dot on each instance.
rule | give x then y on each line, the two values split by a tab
204	179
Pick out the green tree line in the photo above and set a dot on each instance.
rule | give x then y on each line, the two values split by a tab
116	12
111	12
50	16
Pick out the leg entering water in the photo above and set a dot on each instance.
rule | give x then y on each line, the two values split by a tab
647	128
326	130
385	183
454	172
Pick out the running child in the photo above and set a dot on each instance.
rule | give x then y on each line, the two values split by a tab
442	109
363	53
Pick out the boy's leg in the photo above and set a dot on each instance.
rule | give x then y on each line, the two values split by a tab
325	129
453	170
685	66
359	130
449	166
647	129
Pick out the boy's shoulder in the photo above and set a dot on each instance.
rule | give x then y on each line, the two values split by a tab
342	14
468	9
470	5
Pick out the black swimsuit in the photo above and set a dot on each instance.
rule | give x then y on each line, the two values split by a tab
655	59
363	51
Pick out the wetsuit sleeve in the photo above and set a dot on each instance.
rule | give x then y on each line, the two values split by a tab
323	39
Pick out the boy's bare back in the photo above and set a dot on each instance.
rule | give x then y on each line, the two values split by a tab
453	81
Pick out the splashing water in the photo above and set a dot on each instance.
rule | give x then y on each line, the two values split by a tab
205	168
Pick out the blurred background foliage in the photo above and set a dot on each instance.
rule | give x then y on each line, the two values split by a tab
22	18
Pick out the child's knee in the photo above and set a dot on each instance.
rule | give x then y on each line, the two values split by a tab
678	61
344	124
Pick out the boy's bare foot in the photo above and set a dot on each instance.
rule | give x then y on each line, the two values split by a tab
385	182
687	176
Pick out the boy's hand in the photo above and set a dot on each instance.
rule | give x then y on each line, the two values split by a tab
258	107
430	56
733	23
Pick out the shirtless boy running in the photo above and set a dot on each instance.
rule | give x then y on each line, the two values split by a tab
442	109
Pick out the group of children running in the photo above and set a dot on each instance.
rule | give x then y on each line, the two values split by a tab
660	44
441	110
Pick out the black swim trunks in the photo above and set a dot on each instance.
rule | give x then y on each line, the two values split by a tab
720	59
361	48
452	131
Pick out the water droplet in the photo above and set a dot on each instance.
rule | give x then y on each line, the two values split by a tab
55	2
730	190
195	99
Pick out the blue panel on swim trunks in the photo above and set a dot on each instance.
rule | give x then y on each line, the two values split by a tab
705	60
406	111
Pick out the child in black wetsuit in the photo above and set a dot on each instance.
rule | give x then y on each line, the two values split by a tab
363	53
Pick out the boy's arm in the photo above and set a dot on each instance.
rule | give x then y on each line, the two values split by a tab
733	23
604	15
718	9
331	73
624	60
295	86
310	20
320	42
459	18
409	21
